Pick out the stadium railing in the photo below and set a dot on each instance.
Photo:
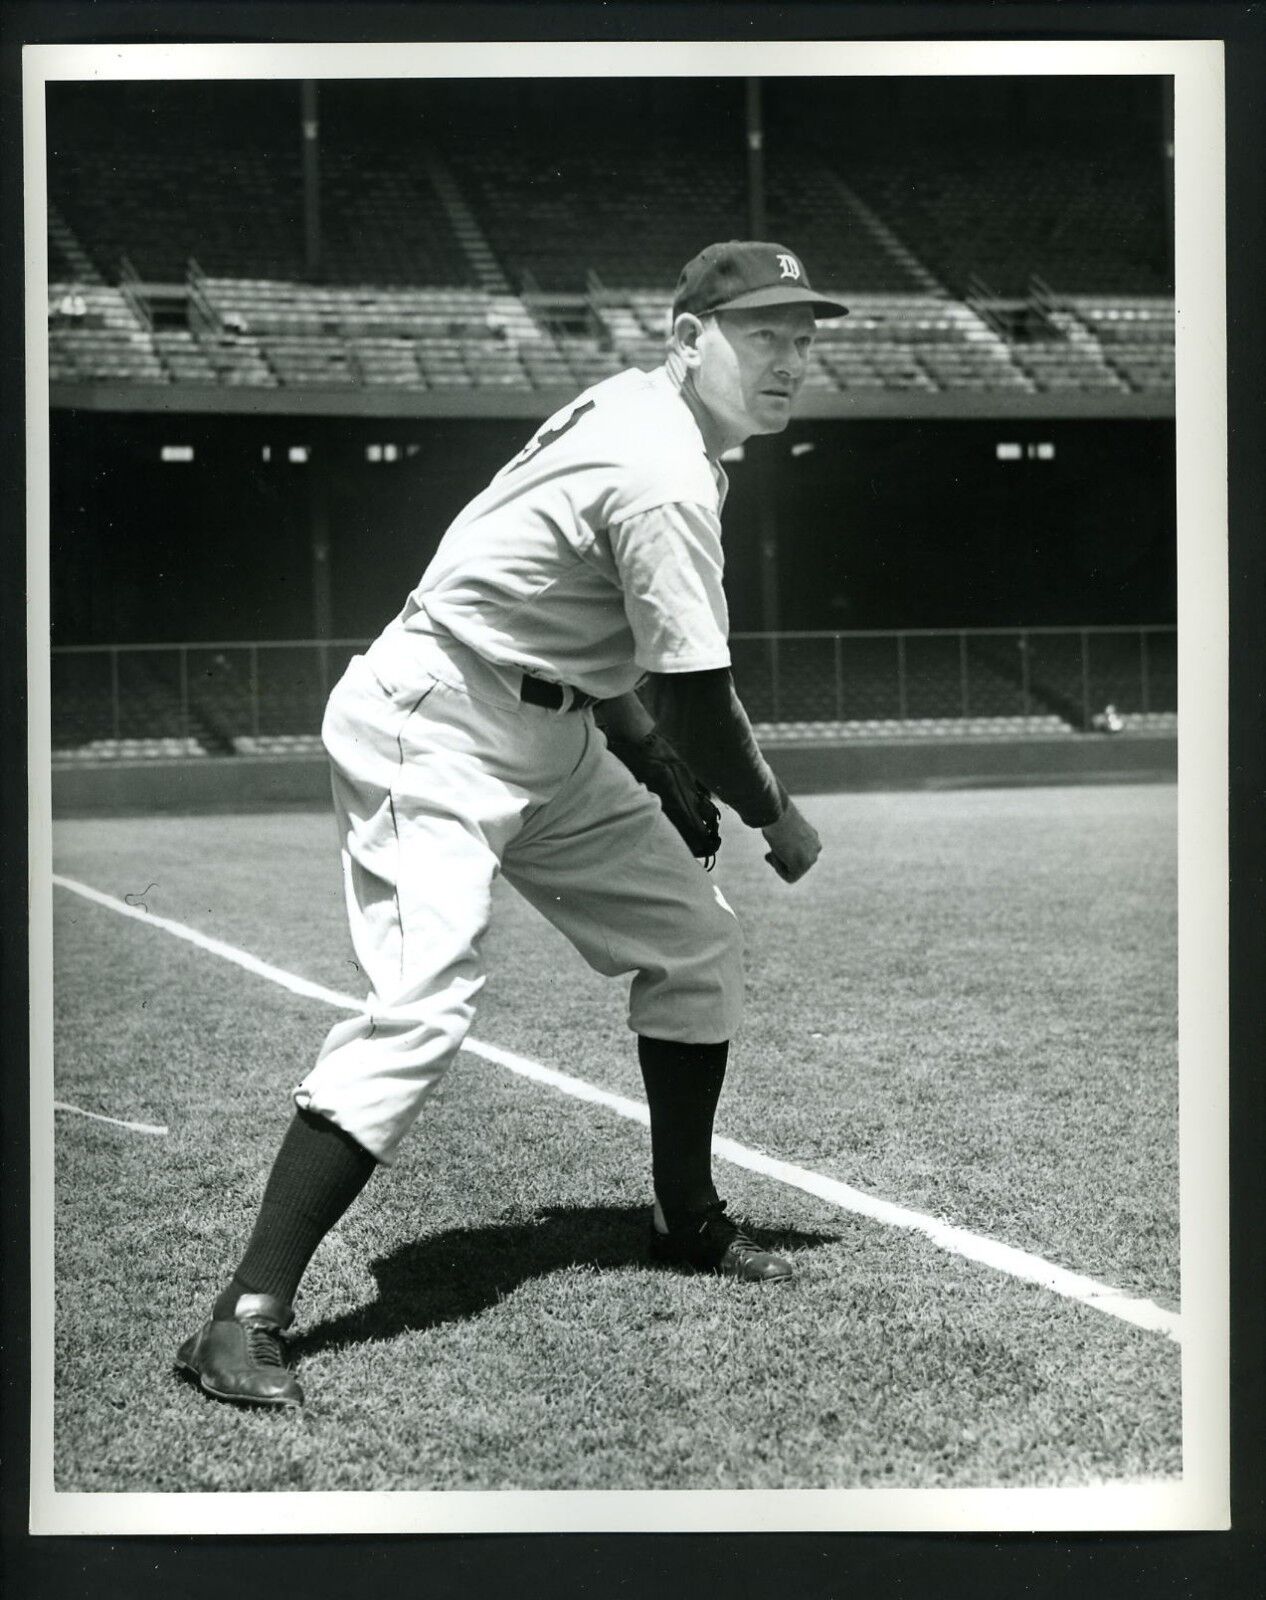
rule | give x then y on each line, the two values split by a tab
262	697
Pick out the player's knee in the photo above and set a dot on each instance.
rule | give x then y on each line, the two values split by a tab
730	975
697	994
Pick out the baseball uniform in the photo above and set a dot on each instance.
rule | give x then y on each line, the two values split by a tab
592	558
464	744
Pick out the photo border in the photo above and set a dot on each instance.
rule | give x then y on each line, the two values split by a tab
1202	744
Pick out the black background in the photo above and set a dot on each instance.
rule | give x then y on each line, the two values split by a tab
884	524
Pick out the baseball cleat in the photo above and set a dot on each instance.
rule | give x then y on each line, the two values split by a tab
711	1242
243	1358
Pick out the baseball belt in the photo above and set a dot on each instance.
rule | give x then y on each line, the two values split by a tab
554	696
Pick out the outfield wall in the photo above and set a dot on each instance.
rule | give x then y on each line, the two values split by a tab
263	783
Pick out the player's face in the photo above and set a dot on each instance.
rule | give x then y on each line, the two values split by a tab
752	364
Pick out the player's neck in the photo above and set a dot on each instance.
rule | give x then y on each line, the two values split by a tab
716	439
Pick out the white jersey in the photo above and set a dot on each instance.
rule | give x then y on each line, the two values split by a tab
594	556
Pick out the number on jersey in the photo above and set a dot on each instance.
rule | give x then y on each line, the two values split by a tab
550	435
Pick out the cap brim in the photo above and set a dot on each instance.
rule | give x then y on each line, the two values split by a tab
788	296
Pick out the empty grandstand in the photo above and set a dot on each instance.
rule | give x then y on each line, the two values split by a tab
292	326
452	249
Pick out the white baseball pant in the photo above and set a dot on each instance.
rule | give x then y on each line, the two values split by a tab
438	787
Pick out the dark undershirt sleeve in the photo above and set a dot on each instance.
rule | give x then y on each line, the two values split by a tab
701	716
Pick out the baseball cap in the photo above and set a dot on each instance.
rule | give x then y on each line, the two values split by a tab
747	272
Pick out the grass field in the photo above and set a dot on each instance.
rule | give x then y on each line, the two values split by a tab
968	1008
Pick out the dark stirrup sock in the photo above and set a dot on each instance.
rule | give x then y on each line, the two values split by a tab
318	1172
683	1084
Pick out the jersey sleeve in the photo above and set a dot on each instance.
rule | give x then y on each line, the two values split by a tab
670	563
703	719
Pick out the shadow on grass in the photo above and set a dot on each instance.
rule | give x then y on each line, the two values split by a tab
464	1271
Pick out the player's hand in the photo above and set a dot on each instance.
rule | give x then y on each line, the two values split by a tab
793	844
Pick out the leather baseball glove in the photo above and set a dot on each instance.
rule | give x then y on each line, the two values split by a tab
687	804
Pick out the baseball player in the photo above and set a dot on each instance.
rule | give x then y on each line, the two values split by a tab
495	726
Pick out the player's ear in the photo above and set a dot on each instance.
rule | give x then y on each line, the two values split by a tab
687	331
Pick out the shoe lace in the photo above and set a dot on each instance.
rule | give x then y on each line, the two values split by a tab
724	1232
263	1345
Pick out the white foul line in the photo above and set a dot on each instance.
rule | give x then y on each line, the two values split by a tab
217	947
958	1241
119	1122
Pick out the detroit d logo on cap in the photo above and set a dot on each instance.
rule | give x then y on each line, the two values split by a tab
790	266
